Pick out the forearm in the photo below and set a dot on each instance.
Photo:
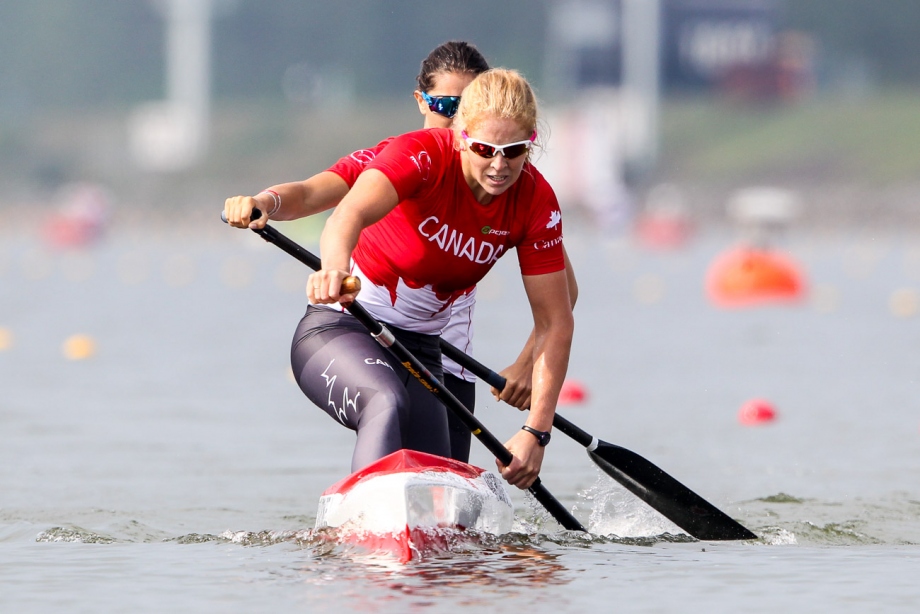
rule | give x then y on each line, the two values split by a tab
525	358
286	201
299	199
338	240
550	363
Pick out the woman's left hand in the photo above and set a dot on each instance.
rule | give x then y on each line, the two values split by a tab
518	385
528	459
328	286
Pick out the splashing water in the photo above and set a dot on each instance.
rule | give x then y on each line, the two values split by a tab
72	535
617	512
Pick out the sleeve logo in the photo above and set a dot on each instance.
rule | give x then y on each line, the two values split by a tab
363	156
423	164
554	219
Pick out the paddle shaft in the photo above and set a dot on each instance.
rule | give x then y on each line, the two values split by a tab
424	376
498	382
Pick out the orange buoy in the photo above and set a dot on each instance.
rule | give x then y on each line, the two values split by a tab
79	347
748	276
756	412
572	393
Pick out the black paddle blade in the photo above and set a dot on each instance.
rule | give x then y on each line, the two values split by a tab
669	497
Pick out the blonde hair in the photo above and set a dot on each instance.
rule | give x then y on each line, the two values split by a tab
498	93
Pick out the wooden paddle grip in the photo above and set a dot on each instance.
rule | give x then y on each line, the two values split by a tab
350	285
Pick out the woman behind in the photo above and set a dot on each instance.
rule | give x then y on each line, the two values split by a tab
422	225
442	77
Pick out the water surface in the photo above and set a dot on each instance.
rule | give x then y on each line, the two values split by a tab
180	467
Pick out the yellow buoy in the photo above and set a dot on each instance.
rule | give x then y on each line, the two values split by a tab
6	339
904	302
79	347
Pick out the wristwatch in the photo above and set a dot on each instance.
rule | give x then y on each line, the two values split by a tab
542	436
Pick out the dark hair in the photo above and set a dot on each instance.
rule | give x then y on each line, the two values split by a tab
450	57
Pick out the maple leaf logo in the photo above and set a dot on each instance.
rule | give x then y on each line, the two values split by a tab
554	218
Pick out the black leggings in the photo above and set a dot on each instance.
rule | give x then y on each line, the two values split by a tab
359	383
460	435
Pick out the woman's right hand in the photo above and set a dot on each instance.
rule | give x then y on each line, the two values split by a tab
526	460
329	286
238	211
518	385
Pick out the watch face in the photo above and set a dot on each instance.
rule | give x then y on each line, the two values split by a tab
542	436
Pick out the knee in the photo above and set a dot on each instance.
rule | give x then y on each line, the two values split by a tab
389	405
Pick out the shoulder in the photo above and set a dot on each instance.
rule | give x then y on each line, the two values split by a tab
534	177
538	199
416	161
425	152
436	139
350	166
532	184
366	156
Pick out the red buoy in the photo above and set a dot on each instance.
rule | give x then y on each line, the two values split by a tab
80	218
572	393
665	222
756	412
662	232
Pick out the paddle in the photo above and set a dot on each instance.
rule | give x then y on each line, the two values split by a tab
640	476
644	479
421	373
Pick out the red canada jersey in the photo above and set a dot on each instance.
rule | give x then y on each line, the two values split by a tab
440	241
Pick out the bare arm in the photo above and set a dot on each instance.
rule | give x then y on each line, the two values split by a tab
371	198
517	376
297	199
553	329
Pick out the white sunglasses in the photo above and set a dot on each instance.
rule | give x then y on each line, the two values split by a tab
489	150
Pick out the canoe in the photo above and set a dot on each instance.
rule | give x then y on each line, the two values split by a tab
410	503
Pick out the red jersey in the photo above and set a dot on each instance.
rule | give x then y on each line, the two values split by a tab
440	241
349	167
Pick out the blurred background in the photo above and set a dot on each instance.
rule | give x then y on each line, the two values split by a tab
655	108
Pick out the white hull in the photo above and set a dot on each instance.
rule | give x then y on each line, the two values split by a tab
407	499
